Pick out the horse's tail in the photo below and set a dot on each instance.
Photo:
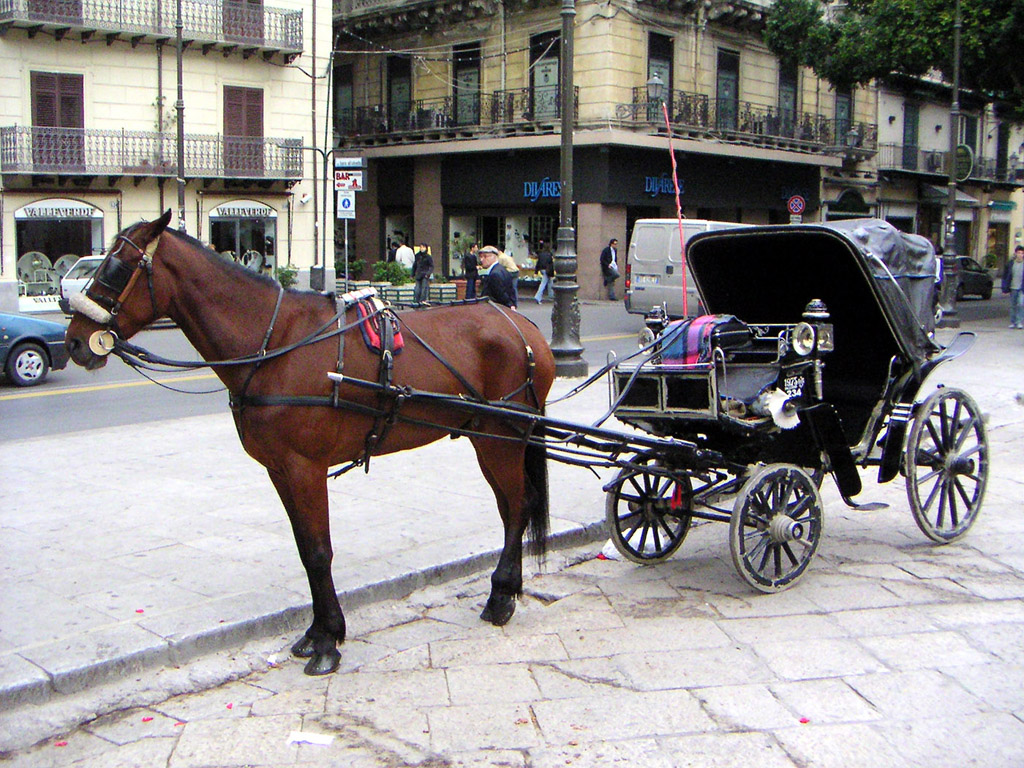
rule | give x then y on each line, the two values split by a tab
536	466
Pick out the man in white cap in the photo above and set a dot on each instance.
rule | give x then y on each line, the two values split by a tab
496	281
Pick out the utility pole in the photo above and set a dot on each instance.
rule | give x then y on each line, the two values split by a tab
179	107
950	268
565	317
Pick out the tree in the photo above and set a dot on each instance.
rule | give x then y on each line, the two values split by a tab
866	39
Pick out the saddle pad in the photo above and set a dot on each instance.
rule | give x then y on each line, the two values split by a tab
369	311
689	342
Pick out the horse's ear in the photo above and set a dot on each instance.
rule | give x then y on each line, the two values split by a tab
161	224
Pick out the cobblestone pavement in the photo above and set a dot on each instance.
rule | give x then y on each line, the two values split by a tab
890	651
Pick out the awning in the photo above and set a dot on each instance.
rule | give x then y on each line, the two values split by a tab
932	193
58	208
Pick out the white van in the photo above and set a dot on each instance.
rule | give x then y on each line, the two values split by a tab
653	266
76	279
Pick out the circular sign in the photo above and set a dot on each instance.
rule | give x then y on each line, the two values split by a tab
964	162
796	205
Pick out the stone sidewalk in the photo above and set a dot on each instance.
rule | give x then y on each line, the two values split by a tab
896	652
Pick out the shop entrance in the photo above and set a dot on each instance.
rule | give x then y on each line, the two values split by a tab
50	235
246	232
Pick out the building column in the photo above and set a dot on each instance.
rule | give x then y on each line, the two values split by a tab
427	210
596	225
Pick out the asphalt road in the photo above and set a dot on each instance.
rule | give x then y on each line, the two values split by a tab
73	399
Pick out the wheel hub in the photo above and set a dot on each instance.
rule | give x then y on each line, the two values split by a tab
784	528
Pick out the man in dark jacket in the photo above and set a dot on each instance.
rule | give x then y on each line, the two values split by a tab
610	266
470	267
545	271
495	280
422	269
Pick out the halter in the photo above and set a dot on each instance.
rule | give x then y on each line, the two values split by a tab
118	278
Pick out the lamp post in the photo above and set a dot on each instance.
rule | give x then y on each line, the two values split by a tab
947	296
179	106
318	282
565	316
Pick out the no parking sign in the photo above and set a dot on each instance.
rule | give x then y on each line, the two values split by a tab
796	205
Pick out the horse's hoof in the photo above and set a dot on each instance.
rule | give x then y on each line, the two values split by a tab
323	663
304	648
498	610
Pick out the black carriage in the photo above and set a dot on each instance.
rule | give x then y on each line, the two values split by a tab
813	361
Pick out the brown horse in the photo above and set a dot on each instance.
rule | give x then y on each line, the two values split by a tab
282	402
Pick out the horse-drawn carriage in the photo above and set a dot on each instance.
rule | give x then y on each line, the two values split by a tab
821	375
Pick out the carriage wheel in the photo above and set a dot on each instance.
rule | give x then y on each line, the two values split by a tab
648	516
946	465
775	527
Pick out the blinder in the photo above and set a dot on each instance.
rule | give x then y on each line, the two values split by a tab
113	274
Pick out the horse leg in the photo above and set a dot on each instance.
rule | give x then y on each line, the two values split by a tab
303	492
502	467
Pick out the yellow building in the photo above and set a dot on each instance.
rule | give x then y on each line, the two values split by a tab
455	104
88	131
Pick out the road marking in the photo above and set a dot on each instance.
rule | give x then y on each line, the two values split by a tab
101	387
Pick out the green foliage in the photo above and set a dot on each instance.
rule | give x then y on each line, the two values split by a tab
868	39
355	267
285	275
990	261
391	272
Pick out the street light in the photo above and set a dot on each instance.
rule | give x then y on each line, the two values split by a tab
565	316
655	89
950	268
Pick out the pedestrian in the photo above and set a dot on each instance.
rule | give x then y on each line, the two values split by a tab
496	282
405	256
389	254
545	271
513	269
470	268
422	270
1013	284
610	266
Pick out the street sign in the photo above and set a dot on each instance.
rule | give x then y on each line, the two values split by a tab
346	208
349	162
348	180
796	205
964	162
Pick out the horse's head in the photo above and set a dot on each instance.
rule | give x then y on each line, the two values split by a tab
121	298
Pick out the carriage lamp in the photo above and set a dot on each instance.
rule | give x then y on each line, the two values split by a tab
803	339
817	313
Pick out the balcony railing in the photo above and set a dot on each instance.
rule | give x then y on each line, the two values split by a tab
701	114
525	109
86	152
905	157
224	23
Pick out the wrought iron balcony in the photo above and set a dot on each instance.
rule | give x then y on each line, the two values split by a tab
701	116
524	110
222	24
84	152
906	157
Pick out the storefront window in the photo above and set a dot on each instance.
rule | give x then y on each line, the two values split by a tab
50	235
245	231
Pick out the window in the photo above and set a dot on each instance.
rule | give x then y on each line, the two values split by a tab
788	78
844	113
243	20
545	52
728	90
659	62
1002	150
344	118
399	92
969	131
466	89
58	120
243	131
911	122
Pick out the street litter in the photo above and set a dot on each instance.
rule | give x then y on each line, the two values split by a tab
320	739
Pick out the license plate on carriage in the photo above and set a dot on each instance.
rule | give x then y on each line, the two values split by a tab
646	280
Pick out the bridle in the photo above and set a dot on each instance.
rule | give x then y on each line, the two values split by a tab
119	278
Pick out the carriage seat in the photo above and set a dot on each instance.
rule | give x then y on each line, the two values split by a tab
691	341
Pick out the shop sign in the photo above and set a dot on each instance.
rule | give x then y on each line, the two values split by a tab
661	185
546	187
243	209
58	209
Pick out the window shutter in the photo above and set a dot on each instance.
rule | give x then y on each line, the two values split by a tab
72	101
254	113
44	100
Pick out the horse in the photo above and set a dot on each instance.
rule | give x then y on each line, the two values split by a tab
297	423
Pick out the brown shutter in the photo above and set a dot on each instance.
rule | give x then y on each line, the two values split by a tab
254	113
44	100
72	101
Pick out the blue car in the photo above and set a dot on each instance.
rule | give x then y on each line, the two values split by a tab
30	348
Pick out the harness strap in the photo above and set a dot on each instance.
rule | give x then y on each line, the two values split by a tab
531	363
470	389
261	355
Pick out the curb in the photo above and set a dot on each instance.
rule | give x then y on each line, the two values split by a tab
178	651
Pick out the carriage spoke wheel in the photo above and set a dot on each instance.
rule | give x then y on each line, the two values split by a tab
648	515
775	527
946	465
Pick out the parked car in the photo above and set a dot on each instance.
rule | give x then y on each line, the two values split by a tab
974	279
653	266
30	348
76	279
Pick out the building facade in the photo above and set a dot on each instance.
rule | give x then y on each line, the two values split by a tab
456	107
88	131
